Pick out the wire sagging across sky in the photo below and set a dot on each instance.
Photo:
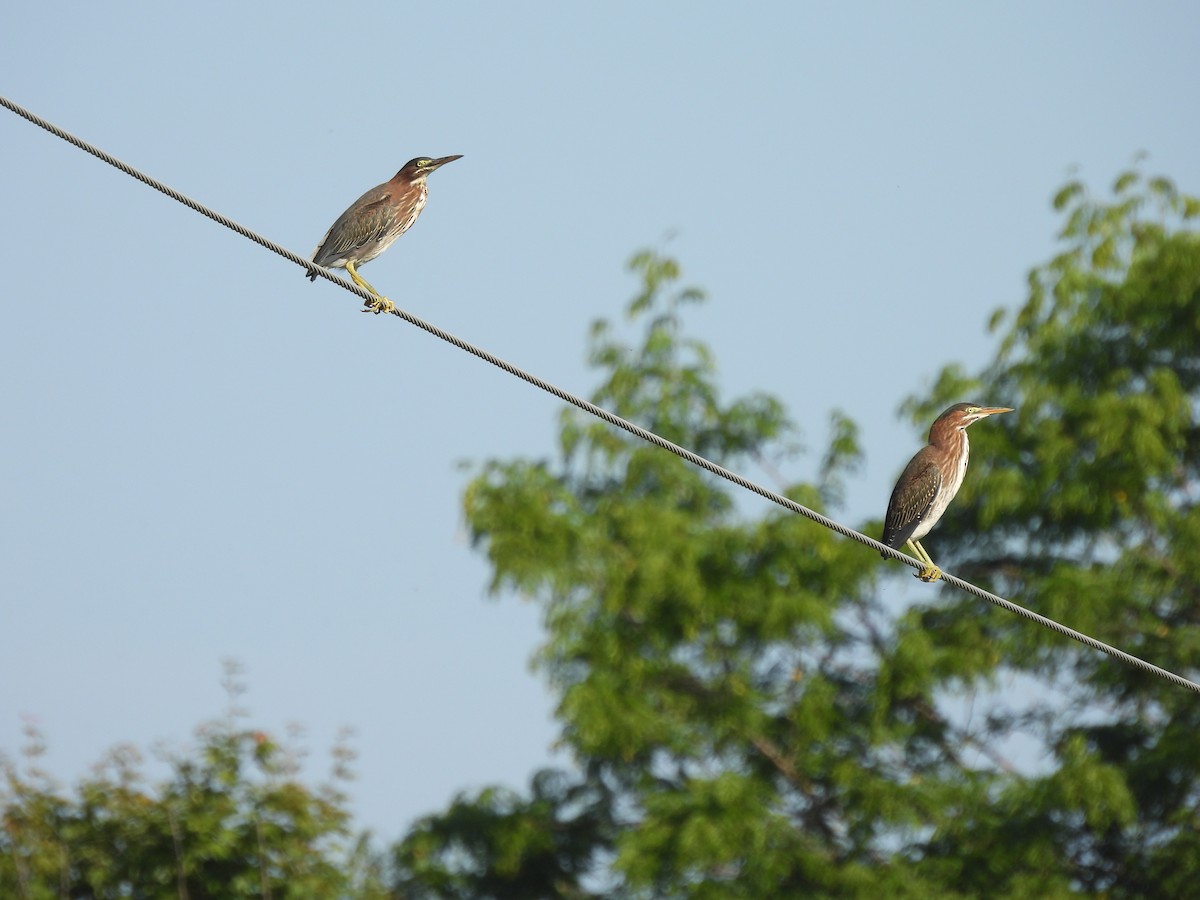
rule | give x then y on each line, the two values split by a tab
599	412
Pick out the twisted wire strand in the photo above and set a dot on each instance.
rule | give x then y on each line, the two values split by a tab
603	414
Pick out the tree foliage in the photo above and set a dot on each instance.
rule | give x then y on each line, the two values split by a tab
724	678
1085	510
748	720
232	821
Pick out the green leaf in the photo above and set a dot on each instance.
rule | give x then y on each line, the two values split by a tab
1066	194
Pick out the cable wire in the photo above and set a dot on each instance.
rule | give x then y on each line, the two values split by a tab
600	413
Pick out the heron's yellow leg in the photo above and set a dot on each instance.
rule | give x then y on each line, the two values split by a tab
931	572
380	304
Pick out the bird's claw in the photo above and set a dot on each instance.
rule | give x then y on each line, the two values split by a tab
379	305
929	574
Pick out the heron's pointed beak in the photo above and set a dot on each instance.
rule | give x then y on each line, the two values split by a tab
994	410
438	163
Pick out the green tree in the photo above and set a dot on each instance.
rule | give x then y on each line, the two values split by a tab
1085	510
233	821
502	845
727	681
745	717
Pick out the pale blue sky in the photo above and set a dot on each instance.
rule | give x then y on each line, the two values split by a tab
206	456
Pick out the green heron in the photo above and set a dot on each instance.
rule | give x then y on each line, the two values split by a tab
374	221
930	481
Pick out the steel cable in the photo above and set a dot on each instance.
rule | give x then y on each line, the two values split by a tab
600	413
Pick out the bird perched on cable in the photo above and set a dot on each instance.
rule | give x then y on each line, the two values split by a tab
930	481
374	221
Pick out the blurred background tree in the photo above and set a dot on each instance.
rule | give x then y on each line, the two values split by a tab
233	820
745	721
749	720
1084	509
